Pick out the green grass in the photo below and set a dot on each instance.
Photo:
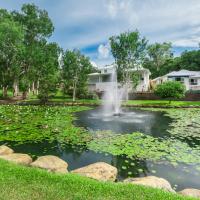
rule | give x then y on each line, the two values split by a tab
24	183
163	103
60	98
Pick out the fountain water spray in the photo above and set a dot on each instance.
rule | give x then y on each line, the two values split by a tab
113	96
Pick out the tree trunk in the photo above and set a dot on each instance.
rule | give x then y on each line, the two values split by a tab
15	89
74	91
33	87
29	89
5	91
24	95
37	87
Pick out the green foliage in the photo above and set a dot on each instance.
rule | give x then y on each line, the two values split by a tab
75	70
11	37
128	50
37	27
135	80
48	74
189	60
170	89
158	56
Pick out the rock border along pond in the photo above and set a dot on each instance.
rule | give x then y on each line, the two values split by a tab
100	171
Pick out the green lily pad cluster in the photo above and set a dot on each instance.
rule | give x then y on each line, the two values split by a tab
37	123
186	122
146	147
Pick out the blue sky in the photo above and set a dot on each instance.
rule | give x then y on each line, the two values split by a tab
87	24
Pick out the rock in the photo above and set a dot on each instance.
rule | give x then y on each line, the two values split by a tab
51	163
151	181
4	150
18	158
190	192
99	171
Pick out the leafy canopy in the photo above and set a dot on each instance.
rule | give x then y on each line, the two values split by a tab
128	50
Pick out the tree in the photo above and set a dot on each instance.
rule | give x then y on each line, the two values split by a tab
48	74
158	56
135	80
171	90
11	37
37	27
128	50
190	60
75	70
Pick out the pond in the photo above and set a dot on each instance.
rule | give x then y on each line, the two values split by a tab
154	125
129	121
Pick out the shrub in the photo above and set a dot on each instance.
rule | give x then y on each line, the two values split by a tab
89	95
170	90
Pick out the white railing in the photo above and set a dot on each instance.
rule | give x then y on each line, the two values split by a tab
194	87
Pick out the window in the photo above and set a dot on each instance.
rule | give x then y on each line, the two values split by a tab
179	79
193	81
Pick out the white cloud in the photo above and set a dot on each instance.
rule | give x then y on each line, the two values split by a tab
103	51
79	24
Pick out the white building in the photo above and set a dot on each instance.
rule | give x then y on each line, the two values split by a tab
191	79
99	81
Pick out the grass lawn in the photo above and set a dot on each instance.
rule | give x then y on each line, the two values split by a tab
163	103
129	102
24	183
60	98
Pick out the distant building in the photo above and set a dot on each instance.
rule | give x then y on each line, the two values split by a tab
99	81
191	79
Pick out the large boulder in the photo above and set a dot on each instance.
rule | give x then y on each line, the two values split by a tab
51	163
190	192
99	171
17	158
151	181
4	150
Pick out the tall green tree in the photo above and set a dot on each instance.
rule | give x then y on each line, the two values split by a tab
75	70
37	27
48	71
190	60
128	50
158	55
11	46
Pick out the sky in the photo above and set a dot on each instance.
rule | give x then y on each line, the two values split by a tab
88	24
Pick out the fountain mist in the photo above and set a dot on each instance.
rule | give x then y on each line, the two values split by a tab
113	96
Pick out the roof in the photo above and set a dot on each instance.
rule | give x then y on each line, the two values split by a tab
113	66
93	74
184	73
140	69
155	79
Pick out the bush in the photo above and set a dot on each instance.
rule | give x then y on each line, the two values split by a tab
170	90
89	95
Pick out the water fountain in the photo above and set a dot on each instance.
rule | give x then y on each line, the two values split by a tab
113	96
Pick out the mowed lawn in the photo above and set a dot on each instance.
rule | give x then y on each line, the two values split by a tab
24	183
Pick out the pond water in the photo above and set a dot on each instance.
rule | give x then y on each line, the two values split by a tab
151	123
130	120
